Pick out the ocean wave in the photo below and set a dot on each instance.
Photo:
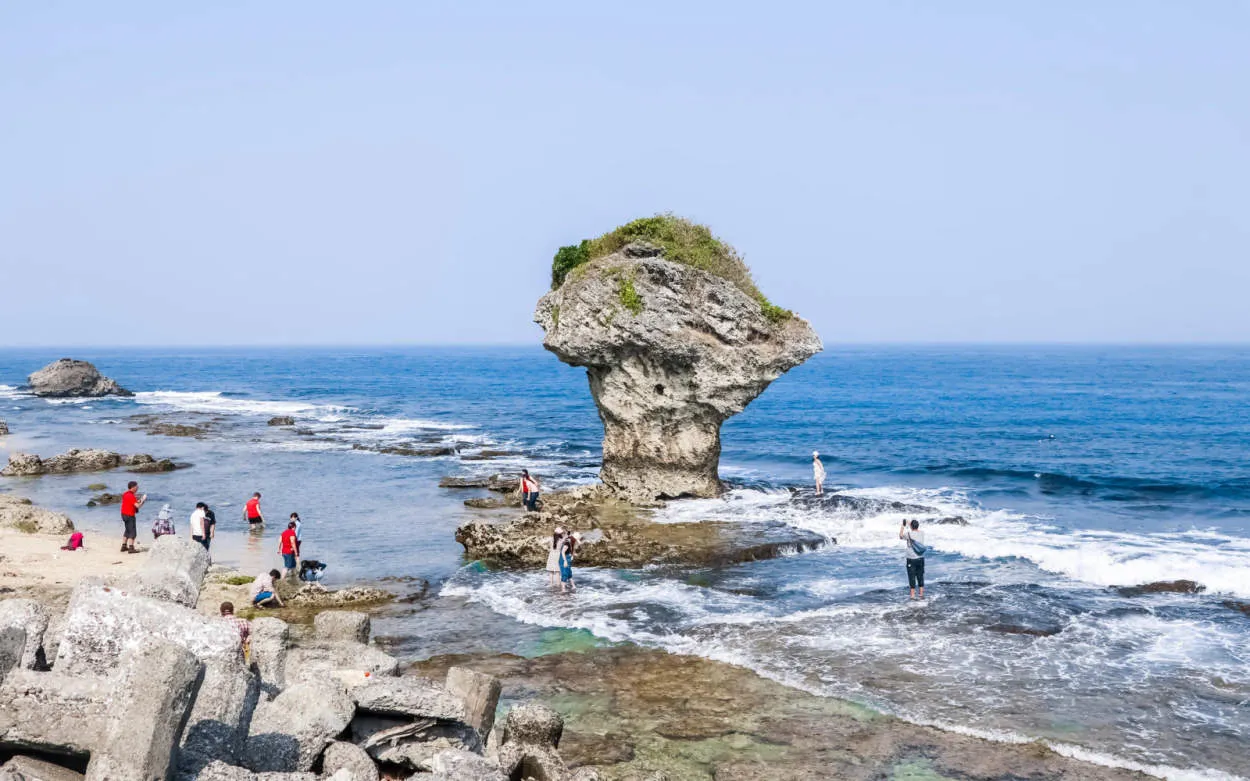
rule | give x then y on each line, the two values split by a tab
218	401
1101	558
844	649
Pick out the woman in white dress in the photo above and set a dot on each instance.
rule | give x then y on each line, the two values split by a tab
818	472
553	556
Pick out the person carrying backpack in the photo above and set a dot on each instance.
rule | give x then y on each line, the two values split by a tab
916	550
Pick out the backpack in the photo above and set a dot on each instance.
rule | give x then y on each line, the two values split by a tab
918	548
75	542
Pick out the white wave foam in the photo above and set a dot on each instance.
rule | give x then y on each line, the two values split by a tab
216	401
1100	558
10	392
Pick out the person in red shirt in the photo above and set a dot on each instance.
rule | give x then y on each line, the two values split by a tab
288	547
131	502
252	511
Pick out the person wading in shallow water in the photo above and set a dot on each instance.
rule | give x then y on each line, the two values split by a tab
568	547
529	491
252	510
131	502
553	556
818	471
916	550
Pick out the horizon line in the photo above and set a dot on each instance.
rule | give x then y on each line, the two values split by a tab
477	345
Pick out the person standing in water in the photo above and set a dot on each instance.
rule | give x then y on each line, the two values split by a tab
553	556
199	524
299	528
529	491
568	547
131	502
287	547
916	550
251	511
818	471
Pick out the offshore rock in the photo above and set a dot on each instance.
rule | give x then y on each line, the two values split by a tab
76	460
70	378
671	352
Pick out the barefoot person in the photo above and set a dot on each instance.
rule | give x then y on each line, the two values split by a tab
818	471
289	549
251	511
553	556
264	592
529	491
131	502
916	550
568	547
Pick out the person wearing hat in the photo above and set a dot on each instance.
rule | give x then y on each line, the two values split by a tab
818	471
553	556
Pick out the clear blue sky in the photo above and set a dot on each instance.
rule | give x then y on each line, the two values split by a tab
367	172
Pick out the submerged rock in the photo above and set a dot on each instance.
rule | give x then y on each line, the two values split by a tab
90	460
282	420
4	428
1162	587
69	378
671	352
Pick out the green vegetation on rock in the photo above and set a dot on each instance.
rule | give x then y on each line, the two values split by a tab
680	241
238	580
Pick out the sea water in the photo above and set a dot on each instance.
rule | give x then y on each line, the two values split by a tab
1076	469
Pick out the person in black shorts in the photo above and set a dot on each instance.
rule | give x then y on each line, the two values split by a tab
131	502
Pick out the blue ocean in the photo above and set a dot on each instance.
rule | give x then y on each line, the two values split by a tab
1080	472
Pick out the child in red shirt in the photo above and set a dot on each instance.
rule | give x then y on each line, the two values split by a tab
286	546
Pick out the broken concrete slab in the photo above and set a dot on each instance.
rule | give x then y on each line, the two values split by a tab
289	733
172	571
21	768
335	626
221	714
32	617
103	622
53	713
479	694
348	758
456	765
147	714
318	661
411	697
270	638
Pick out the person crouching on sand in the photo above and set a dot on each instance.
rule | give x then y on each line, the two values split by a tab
568	547
818	471
916	550
264	592
289	549
553	556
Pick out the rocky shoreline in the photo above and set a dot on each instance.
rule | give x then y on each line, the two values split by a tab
138	679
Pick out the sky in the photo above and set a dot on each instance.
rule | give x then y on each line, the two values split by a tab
323	173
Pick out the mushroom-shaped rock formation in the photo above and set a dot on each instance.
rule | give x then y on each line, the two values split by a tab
70	378
675	339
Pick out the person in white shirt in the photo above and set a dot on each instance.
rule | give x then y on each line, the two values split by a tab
916	550
818	471
199	526
264	593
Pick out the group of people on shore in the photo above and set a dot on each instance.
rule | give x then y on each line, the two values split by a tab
203	527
